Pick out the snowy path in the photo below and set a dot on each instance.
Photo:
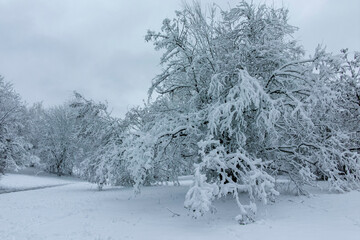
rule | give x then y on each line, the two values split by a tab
78	211
4	191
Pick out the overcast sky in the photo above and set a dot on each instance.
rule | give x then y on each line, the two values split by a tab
49	48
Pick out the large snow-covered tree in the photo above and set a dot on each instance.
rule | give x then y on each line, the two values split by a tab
255	107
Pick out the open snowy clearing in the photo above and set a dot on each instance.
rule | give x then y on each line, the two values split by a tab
78	211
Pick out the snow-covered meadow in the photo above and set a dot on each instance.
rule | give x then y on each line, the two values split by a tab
77	210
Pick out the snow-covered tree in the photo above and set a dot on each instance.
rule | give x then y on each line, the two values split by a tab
159	146
311	142
254	107
13	146
58	145
35	130
344	79
100	140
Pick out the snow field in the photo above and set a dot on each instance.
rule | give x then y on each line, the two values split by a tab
78	211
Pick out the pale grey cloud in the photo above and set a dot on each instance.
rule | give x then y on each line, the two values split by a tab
50	48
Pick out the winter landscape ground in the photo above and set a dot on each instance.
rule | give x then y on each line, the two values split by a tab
72	209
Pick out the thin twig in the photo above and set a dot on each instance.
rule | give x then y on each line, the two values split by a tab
174	213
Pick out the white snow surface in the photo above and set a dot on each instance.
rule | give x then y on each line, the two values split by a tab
79	211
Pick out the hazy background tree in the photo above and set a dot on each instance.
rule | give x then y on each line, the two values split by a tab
13	146
58	144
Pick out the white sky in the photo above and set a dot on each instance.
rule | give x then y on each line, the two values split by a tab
48	49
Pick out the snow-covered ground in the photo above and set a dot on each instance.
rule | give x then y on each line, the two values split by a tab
31	179
78	211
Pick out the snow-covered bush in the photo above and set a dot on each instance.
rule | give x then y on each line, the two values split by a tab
200	195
